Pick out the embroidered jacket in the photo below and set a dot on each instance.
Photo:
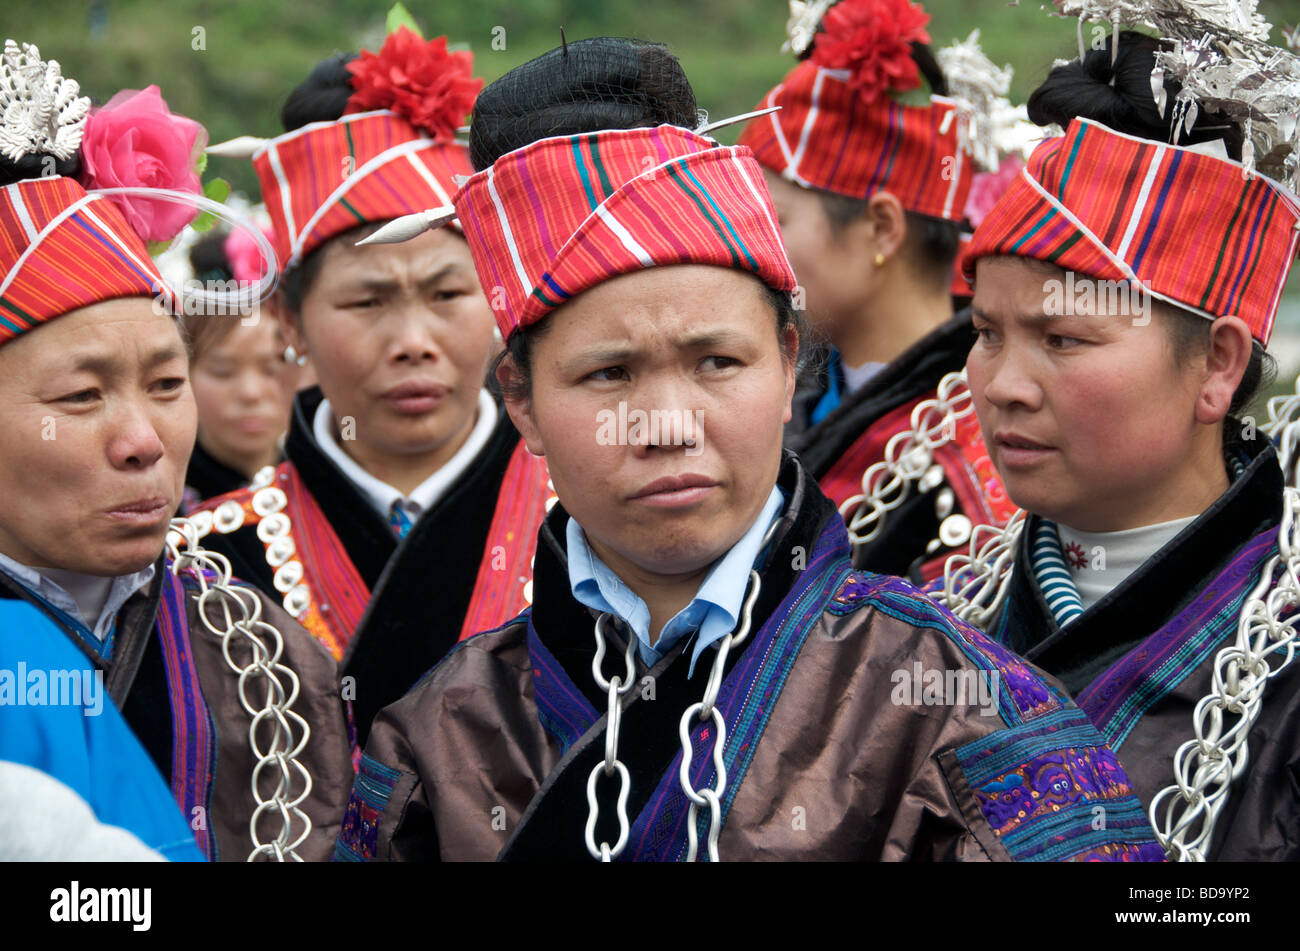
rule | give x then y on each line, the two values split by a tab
165	671
840	448
832	749
386	610
1140	659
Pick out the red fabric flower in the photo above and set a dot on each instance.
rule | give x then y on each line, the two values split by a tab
873	39
420	81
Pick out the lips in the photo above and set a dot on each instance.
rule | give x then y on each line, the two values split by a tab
1016	441
415	396
142	511
675	491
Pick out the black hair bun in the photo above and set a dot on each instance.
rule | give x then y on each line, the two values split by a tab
600	83
38	165
322	96
1120	97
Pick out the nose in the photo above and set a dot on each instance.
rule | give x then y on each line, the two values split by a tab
668	421
1007	380
412	340
135	443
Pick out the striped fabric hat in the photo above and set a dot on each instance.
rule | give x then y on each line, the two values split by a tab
563	214
329	177
62	249
1189	228
827	136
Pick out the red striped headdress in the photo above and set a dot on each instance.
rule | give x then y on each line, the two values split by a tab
563	214
392	153
62	249
840	130
329	177
1189	228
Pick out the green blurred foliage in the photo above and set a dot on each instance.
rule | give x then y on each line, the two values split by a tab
231	64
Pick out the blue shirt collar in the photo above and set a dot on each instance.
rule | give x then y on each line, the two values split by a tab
713	612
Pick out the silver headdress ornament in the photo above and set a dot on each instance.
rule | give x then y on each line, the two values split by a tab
1222	59
802	25
40	111
980	87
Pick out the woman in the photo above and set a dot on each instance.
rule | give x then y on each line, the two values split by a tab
869	166
1112	362
243	387
406	510
96	424
651	284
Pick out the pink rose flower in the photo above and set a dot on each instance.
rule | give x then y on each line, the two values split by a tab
135	140
244	256
987	187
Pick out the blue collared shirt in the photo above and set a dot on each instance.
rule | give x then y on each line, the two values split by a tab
713	612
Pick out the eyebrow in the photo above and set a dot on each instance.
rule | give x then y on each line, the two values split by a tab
1031	320
104	365
616	353
388	285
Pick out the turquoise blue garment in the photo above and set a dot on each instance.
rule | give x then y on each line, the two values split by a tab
835	388
713	612
78	736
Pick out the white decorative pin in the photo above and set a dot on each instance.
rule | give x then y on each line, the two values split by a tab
408	226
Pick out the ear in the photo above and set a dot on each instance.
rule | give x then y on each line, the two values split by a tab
1225	364
789	344
888	224
289	321
520	410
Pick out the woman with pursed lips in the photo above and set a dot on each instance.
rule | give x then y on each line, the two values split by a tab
97	419
1114	419
403	517
689	581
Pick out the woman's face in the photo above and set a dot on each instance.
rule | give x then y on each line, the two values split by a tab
243	389
833	268
97	422
399	337
1087	417
690	353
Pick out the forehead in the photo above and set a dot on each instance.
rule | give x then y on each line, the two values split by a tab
658	305
124	329
346	260
1008	286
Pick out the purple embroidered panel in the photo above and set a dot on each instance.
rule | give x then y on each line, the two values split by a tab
1117	699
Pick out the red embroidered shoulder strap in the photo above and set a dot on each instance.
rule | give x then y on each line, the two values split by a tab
320	586
503	587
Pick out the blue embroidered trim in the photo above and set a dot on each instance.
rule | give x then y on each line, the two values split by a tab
1052	791
359	836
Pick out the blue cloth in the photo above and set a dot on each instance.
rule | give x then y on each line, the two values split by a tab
835	388
713	612
78	736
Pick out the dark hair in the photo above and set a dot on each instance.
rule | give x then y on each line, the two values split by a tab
600	83
322	96
931	244
1120	97
38	165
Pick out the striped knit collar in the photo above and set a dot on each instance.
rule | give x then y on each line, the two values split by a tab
1047	558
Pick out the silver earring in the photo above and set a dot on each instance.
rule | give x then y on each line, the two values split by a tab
291	355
